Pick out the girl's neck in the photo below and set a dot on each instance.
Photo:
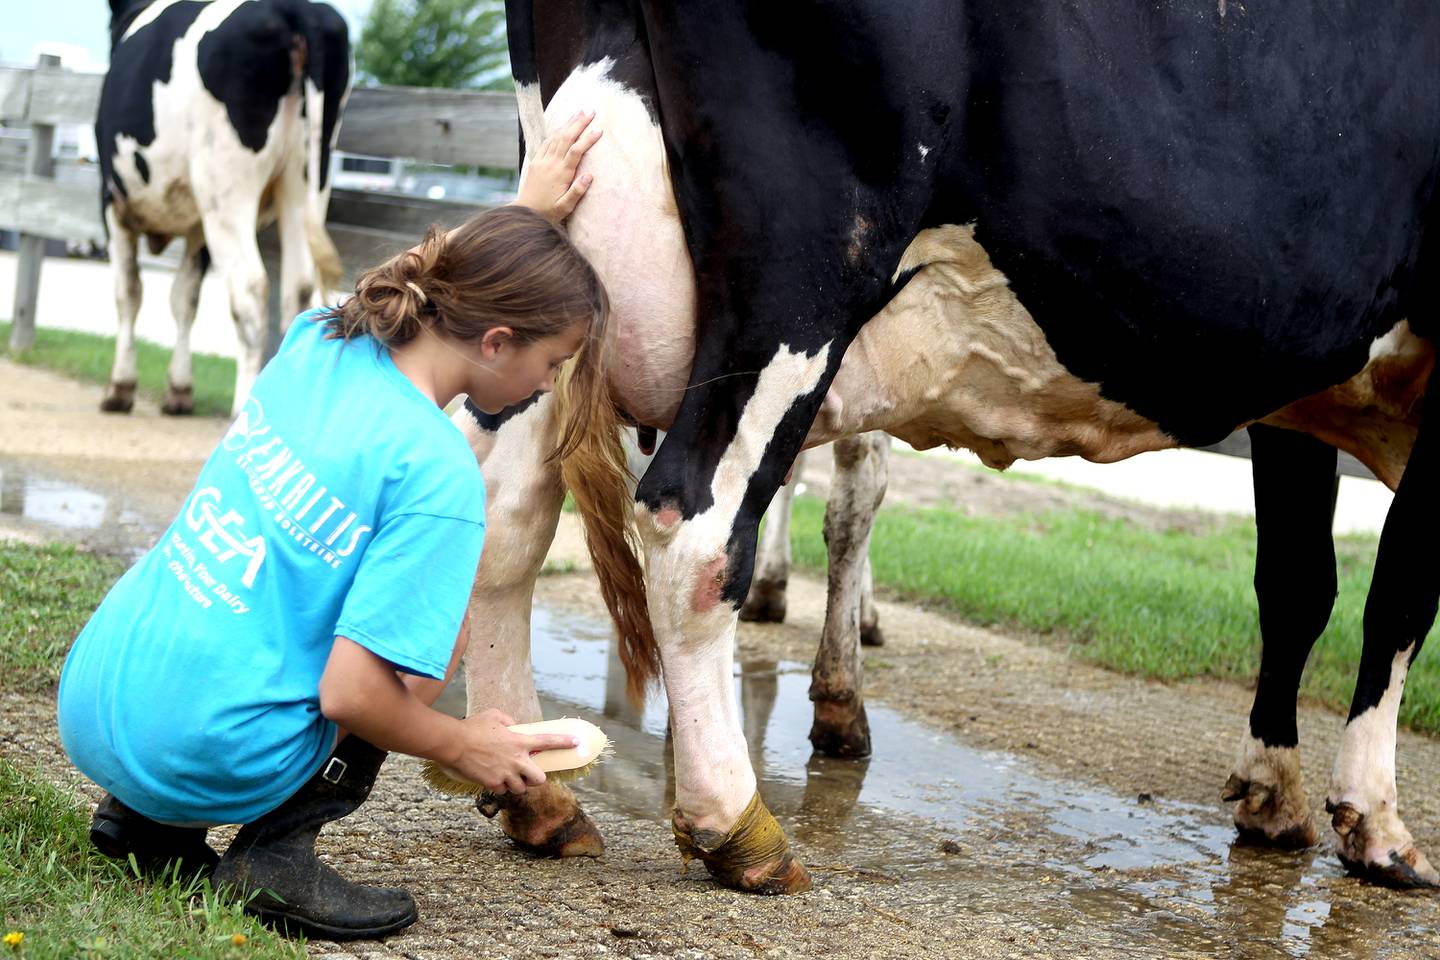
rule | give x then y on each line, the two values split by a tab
425	362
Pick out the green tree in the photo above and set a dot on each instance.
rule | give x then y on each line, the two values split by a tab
435	43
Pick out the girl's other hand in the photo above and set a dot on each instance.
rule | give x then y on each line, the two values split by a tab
499	760
550	186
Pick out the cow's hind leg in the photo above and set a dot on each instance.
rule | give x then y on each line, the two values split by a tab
229	224
120	394
870	633
765	603
1295	488
523	500
184	299
1371	839
841	728
297	267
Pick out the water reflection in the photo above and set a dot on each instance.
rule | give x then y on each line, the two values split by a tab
979	826
59	508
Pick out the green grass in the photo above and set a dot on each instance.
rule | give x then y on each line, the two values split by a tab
1169	605
66	899
88	356
46	595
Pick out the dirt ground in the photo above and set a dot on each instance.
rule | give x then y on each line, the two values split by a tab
1085	760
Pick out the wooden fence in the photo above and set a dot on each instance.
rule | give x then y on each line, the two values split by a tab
436	126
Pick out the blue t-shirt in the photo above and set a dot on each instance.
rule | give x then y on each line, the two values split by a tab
341	501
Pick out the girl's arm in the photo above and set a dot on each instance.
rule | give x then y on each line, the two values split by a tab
362	693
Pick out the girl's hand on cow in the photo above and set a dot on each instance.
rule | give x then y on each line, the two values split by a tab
498	759
550	186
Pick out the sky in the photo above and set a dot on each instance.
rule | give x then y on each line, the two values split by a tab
79	30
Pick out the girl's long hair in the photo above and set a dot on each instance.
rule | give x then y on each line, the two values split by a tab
511	267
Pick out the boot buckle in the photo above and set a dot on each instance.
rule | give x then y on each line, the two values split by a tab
334	770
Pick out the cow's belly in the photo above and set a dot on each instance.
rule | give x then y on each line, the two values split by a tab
955	359
629	228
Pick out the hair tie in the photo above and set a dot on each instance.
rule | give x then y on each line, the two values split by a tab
418	292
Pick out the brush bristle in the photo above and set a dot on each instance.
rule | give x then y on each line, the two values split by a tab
444	781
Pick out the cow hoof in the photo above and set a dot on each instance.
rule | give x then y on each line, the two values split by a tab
1378	848
547	821
1267	816
765	603
179	402
840	730
753	857
119	398
872	635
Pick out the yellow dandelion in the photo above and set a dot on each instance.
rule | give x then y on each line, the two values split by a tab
14	938
239	939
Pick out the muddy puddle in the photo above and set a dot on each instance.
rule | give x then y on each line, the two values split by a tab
981	829
45	499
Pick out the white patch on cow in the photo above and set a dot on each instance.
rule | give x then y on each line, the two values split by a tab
629	228
153	11
924	150
1364	774
523	496
696	632
532	115
955	359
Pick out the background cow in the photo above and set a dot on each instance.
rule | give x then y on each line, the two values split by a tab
1030	231
215	119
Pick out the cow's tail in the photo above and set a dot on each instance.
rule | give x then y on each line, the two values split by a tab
592	462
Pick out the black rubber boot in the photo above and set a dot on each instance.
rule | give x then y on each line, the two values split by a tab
117	831
272	860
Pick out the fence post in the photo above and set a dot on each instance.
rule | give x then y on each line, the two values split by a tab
38	163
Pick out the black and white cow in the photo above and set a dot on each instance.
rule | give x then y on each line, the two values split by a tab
1027	229
218	117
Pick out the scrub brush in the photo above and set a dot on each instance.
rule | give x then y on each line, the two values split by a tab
569	763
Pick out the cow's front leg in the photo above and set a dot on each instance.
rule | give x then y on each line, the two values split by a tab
699	509
1295	488
229	225
1363	803
841	728
523	499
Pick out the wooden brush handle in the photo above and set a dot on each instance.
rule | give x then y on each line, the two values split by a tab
592	743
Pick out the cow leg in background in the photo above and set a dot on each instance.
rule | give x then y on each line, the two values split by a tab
1295	488
120	394
870	633
841	728
765	603
523	500
229	223
184	299
1371	839
297	269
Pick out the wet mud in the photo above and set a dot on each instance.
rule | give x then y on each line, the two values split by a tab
1018	804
